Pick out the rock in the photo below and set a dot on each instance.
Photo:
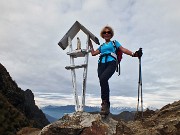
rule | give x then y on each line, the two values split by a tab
32	111
28	131
82	123
165	121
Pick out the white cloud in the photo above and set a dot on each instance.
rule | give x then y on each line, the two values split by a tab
30	31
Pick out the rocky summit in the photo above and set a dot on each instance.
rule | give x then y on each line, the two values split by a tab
165	121
82	123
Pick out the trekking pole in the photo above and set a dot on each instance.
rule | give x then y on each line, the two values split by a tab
140	85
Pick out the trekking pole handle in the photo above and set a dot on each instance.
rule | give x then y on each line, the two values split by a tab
140	53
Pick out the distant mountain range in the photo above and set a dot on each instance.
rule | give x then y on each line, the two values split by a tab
56	112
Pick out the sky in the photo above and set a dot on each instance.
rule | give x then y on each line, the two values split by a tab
30	31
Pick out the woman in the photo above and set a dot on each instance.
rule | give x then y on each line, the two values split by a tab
107	64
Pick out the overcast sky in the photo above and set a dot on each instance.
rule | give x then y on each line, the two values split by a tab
31	29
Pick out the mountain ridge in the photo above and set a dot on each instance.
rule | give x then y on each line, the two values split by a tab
17	107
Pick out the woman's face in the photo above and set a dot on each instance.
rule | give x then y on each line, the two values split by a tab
107	34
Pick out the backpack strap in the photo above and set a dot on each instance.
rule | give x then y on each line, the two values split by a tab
106	55
114	44
118	69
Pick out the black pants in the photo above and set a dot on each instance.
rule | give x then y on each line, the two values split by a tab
105	71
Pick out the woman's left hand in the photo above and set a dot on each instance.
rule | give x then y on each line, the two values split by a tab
138	53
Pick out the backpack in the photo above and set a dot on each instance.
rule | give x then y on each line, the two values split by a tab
119	54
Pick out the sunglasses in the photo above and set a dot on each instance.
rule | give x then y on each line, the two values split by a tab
107	32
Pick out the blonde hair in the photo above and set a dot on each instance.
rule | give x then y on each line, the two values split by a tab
109	28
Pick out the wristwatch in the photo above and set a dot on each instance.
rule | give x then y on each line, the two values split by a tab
132	54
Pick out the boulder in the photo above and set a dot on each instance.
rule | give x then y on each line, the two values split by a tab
83	123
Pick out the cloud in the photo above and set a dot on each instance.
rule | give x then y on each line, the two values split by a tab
30	31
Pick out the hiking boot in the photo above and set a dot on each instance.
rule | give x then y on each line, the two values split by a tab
105	105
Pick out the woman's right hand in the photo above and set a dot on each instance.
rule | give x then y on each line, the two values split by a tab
93	52
90	44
